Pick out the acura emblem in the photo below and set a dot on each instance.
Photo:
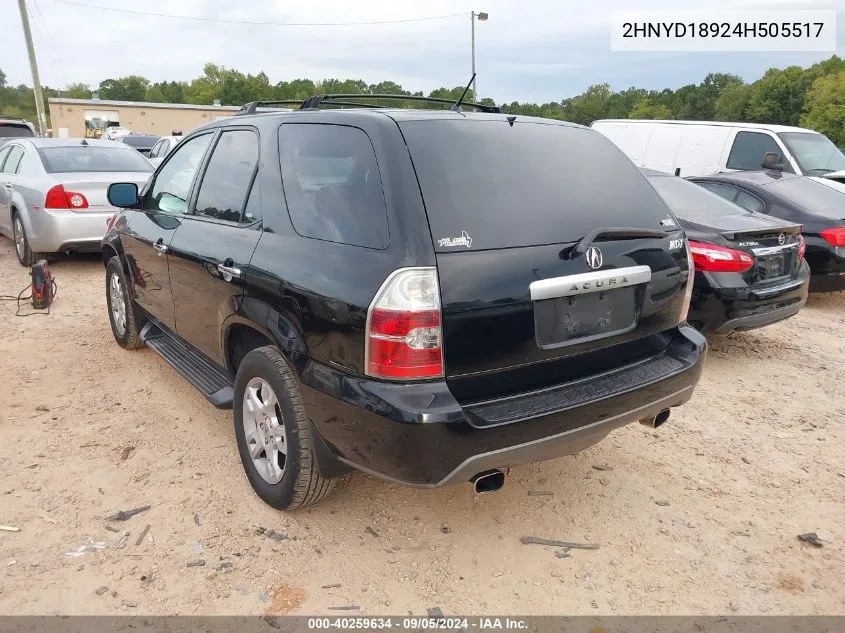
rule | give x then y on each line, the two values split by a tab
594	258
781	239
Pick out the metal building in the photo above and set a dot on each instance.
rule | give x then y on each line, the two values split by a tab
72	118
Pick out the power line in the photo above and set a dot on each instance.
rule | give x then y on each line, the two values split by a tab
256	22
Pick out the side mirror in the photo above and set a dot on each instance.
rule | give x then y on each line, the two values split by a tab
771	160
123	195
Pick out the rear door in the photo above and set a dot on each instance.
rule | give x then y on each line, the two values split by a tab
149	231
5	209
507	207
210	252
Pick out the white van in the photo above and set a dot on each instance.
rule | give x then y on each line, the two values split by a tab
699	148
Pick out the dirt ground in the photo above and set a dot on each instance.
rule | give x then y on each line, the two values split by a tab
698	517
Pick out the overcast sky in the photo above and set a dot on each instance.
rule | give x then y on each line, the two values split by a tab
528	50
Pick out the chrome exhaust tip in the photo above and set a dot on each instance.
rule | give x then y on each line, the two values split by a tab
656	420
488	481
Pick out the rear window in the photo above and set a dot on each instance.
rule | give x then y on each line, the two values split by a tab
811	196
487	184
692	202
92	158
14	130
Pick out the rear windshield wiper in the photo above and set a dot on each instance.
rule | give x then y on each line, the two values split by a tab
613	232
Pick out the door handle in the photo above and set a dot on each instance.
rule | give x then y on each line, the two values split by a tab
8	185
160	247
229	272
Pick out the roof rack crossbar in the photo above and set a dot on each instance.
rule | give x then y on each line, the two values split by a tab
315	101
252	106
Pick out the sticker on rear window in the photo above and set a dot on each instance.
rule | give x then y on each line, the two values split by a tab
463	240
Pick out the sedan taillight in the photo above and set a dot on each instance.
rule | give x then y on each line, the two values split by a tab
834	237
58	198
719	259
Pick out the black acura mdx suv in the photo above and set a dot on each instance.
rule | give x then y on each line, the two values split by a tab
428	296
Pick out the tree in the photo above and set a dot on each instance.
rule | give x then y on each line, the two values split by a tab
2	79
824	107
703	100
129	88
646	109
591	105
732	103
778	97
78	91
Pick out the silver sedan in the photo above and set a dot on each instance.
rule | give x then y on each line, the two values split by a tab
53	192
162	148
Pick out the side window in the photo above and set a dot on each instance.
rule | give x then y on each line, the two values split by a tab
165	145
155	150
13	160
725	191
748	201
749	148
170	190
225	185
3	153
332	184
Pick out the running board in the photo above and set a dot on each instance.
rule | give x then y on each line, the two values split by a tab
212	381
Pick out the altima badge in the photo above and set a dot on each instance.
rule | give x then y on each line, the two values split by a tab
594	258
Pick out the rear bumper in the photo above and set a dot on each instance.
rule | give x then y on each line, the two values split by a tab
419	435
724	310
54	231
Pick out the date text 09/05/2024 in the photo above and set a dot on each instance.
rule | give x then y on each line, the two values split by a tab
417	623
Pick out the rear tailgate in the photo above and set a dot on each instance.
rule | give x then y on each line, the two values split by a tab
507	204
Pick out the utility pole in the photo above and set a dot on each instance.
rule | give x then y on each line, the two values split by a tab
36	82
473	16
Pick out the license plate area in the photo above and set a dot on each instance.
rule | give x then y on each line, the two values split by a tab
772	266
585	317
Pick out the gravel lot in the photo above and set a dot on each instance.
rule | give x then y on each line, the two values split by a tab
699	517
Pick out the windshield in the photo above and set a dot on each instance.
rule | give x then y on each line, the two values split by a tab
811	195
492	185
92	158
692	202
815	153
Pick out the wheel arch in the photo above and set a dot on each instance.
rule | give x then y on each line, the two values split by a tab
270	326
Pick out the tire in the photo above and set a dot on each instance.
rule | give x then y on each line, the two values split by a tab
295	481
125	321
26	256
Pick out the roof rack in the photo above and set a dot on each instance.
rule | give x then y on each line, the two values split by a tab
317	100
252	106
351	100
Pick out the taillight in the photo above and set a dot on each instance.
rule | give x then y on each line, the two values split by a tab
404	338
835	237
719	259
690	283
58	198
802	246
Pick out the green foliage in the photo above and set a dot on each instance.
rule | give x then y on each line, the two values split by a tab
129	88
812	97
825	107
646	109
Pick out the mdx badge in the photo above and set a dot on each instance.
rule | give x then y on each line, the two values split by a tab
594	258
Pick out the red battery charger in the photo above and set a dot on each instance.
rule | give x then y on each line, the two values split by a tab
42	285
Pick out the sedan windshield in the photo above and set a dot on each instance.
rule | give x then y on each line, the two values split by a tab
92	158
815	153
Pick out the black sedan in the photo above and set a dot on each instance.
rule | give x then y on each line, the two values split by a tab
749	267
819	208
